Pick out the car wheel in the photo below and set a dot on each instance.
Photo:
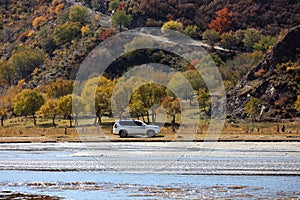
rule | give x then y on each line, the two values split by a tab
150	133
123	134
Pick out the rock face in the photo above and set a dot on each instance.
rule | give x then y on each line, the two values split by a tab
275	81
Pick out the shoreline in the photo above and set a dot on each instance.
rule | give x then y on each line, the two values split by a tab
143	140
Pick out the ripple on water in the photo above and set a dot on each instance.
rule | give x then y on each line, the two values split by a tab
168	191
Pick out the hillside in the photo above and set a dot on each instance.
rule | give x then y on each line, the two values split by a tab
270	15
274	81
36	24
43	43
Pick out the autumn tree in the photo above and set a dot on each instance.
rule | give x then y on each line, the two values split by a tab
203	98
60	88
190	30
6	72
222	22
98	5
182	87
105	34
7	100
137	107
28	102
77	107
211	37
85	31
3	115
297	104
264	44
252	108
79	14
4	108
172	107
39	21
25	60
194	78
102	98
146	98
251	37
120	100
229	40
50	109
67	32
65	107
113	5
59	8
120	19
173	25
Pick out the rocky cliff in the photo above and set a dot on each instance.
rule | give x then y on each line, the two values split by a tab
275	81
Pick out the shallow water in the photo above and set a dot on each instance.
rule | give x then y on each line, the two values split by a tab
95	185
151	170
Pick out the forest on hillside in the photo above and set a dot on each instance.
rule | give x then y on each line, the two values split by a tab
43	43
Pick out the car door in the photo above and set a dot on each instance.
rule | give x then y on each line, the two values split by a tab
140	127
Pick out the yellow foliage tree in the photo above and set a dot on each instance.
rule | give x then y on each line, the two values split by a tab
85	30
172	107
4	108
49	109
39	21
28	102
59	8
297	104
55	2
173	25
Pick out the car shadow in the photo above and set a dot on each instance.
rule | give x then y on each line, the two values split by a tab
144	136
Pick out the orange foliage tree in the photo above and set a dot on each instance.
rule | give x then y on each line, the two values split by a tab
39	21
222	21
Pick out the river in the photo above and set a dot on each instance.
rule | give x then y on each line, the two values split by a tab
239	170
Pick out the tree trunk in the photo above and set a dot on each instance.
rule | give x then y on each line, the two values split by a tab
99	119
173	122
76	119
148	118
34	119
153	114
70	118
53	121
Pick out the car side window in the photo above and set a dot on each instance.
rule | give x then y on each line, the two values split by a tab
138	123
127	123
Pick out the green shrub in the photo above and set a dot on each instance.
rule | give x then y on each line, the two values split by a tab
67	32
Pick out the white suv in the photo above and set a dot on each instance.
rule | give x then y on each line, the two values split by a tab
134	127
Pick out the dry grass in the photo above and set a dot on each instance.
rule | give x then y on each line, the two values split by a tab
22	130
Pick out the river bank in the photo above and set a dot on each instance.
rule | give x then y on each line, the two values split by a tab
62	134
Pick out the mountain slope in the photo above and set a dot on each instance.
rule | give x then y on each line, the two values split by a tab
268	15
274	81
